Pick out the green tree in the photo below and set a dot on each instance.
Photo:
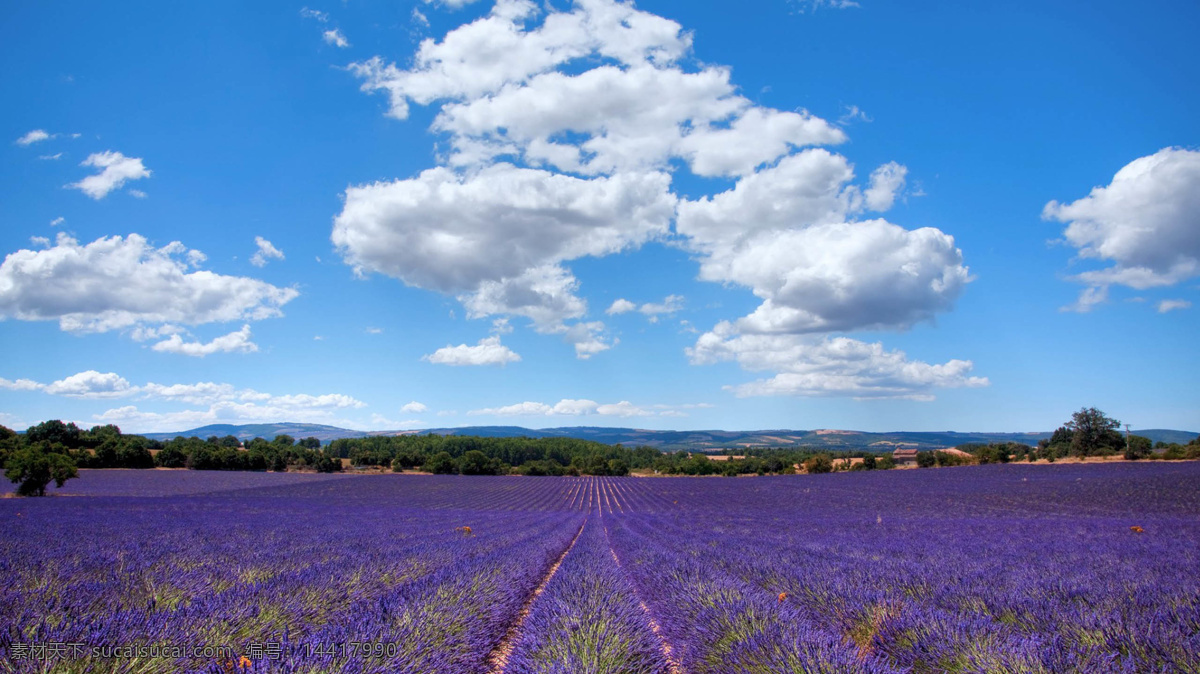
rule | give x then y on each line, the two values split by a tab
1093	431
476	462
926	460
34	468
442	464
68	435
1139	448
821	463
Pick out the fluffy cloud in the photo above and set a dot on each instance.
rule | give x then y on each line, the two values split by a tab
489	351
414	408
234	342
565	407
828	366
91	384
451	233
115	170
1146	222
265	253
336	38
21	385
35	136
117	282
563	129
786	233
497	238
314	14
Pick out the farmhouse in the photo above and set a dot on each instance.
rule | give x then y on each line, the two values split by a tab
905	456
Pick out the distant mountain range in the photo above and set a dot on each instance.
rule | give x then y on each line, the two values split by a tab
665	440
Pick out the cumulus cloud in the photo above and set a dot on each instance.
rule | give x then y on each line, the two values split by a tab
1172	305
809	365
563	129
565	407
91	384
35	136
414	407
620	306
115	170
489	351
21	385
265	253
336	38
1146	222
116	282
886	182
234	342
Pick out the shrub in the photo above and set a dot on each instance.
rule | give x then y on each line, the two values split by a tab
821	463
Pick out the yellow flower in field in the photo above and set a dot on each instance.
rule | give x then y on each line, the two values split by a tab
782	596
245	662
1136	530
466	531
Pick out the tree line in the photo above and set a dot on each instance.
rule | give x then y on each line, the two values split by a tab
52	451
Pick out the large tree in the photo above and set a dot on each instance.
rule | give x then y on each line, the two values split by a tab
1093	431
33	468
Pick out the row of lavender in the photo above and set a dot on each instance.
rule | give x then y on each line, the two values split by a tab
290	575
1023	569
989	569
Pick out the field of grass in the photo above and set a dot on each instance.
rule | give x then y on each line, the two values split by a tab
1002	568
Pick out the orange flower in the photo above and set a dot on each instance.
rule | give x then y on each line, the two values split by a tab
1136	530
245	662
782	596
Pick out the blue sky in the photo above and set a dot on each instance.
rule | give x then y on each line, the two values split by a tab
825	214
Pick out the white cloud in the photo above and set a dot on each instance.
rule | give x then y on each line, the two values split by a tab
451	233
489	351
116	282
234	342
805	6
620	306
57	221
496	238
563	129
50	157
92	384
854	113
414	407
886	181
1088	299
137	194
314	14
35	136
566	407
419	18
115	170
336	38
1146	222
652	310
21	385
808	365
40	241
453	4
266	251
374	331
1172	305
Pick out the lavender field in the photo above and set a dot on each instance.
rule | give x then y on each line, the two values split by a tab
1085	568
